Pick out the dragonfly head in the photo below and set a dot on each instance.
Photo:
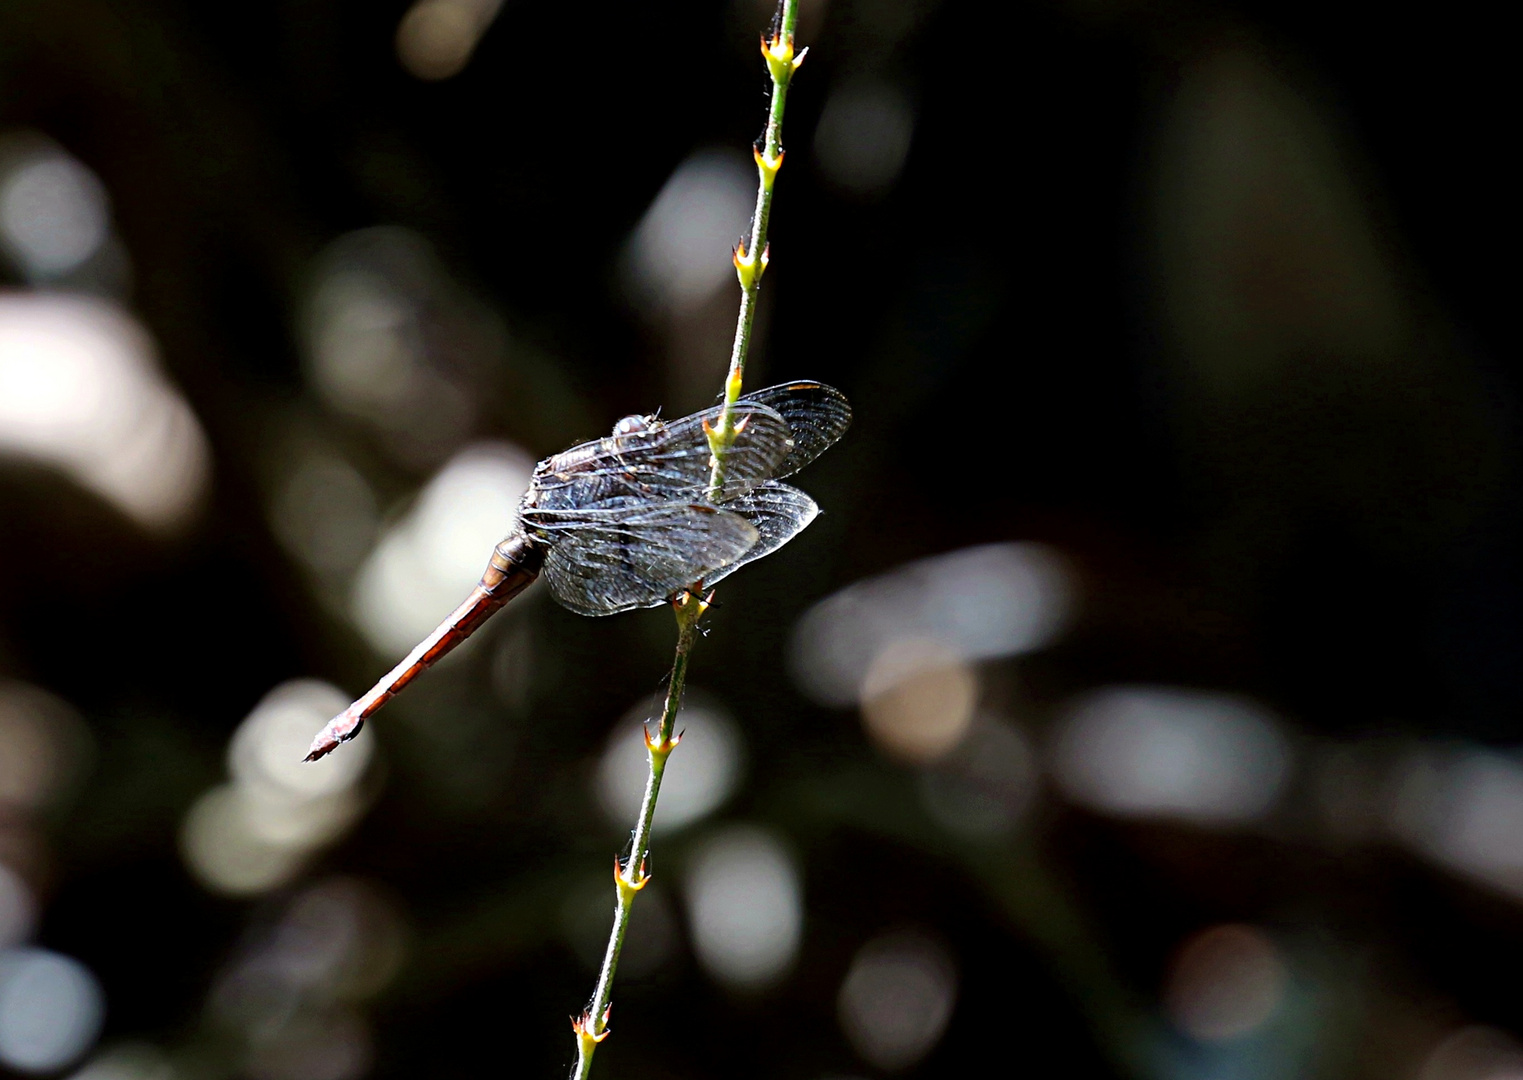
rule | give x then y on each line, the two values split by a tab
630	425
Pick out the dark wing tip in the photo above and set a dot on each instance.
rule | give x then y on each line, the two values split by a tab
817	416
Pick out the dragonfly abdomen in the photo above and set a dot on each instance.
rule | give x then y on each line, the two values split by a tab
514	565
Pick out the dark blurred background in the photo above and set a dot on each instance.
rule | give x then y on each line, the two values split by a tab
1144	704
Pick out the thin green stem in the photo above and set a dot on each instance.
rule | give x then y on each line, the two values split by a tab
592	1026
750	261
751	256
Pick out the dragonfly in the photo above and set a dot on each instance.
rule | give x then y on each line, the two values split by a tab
627	521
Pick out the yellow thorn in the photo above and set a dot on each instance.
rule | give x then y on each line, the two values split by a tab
766	164
653	746
625	883
582	1025
671	744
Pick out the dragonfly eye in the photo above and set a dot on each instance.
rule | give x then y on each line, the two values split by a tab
631	424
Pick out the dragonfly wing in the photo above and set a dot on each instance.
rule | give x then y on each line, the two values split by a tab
778	513
612	561
669	463
817	415
680	459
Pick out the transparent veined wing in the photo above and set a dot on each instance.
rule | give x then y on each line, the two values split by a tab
817	415
778	512
605	561
666	463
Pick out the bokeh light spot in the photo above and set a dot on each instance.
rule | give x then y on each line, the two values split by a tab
1169	752
1475	1053
897	998
863	136
325	513
1462	807
80	390
436	38
745	906
44	745
430	560
224	850
255	833
979	603
54	214
699	776
680	252
269	747
51	1009
918	699
393	341
1225	983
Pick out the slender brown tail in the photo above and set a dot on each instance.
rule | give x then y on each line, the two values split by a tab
515	564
